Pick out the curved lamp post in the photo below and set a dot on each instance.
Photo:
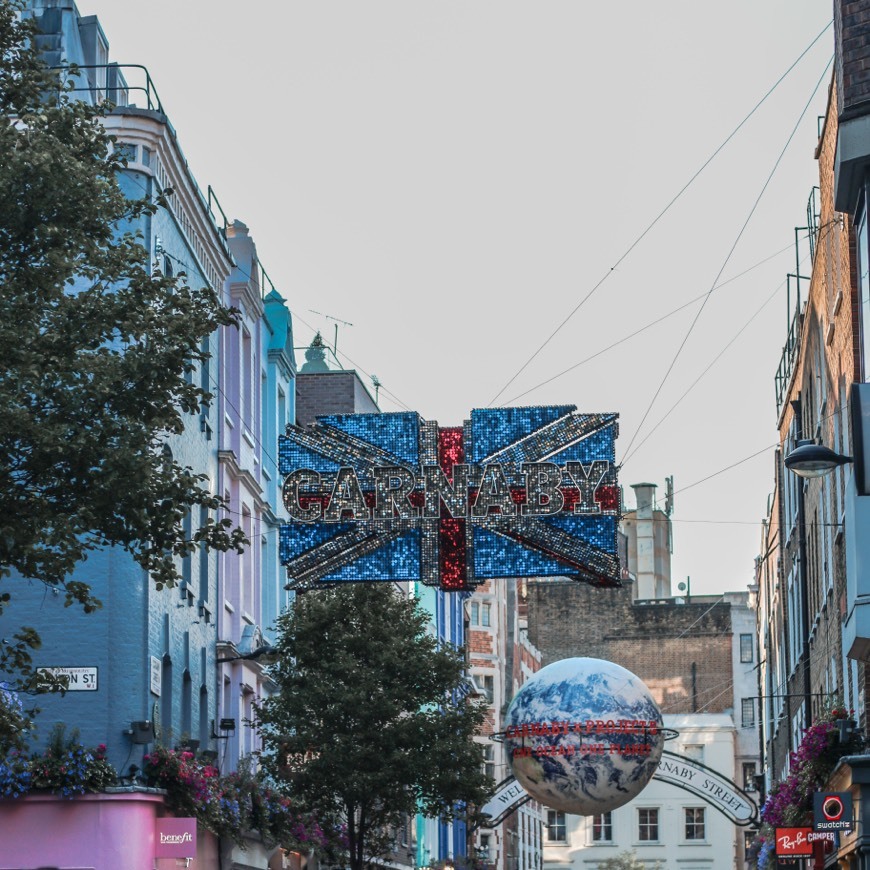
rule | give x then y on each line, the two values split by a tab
809	459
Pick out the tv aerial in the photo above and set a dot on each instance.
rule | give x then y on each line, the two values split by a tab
336	321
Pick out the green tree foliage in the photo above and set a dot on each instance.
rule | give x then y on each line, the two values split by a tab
94	349
366	725
628	860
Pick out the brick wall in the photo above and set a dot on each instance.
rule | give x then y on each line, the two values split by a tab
659	643
321	393
852	29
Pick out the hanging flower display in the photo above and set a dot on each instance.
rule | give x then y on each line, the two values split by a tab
790	802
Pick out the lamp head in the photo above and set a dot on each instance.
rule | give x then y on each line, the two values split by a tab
810	460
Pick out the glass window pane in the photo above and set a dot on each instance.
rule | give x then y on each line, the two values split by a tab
695	823
648	825
555	826
602	828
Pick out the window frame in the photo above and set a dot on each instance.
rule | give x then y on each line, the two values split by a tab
602	827
744	652
553	824
747	705
697	825
486	614
648	825
489	760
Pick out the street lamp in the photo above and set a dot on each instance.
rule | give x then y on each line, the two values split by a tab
809	459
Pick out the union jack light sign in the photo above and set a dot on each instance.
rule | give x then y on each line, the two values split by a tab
514	492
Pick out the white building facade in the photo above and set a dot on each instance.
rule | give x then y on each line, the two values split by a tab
664	823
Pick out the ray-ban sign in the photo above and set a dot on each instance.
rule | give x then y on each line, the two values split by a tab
515	492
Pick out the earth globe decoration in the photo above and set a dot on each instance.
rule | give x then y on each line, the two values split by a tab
584	736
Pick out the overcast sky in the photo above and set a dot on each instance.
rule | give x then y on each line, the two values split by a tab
455	178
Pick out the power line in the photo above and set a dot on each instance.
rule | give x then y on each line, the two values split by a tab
722	352
728	256
651	324
659	216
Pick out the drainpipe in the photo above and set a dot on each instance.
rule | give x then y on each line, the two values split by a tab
803	579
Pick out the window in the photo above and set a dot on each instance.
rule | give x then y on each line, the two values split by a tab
648	825
489	760
484	847
747	711
695	751
602	828
745	648
203	716
125	151
749	776
247	402
695	823
555	826
475	613
484	614
488	688
186	705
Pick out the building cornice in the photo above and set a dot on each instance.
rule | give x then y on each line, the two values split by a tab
230	462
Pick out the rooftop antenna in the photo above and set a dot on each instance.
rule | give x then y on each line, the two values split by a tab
376	383
336	320
669	495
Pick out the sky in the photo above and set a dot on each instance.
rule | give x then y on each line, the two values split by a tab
455	179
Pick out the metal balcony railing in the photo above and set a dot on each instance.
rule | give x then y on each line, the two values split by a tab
789	357
108	83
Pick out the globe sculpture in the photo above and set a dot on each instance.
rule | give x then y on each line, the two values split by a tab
584	736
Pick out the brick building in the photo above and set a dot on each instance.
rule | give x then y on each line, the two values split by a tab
501	658
814	610
698	658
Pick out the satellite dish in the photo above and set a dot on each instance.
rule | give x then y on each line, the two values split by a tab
681	587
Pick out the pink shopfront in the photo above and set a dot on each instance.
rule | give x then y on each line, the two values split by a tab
126	831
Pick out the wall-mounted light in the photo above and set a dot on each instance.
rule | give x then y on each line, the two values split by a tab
224	725
265	655
141	732
810	460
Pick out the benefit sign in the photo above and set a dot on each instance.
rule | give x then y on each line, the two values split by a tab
514	492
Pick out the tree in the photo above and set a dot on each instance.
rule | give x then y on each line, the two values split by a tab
94	348
628	860
367	724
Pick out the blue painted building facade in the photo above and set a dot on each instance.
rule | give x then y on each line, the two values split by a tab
155	652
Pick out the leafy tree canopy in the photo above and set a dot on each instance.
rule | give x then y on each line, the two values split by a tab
367	724
628	860
94	348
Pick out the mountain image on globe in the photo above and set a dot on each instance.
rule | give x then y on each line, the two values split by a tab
584	736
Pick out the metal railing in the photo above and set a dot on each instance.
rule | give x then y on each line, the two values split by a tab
115	88
813	218
789	357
